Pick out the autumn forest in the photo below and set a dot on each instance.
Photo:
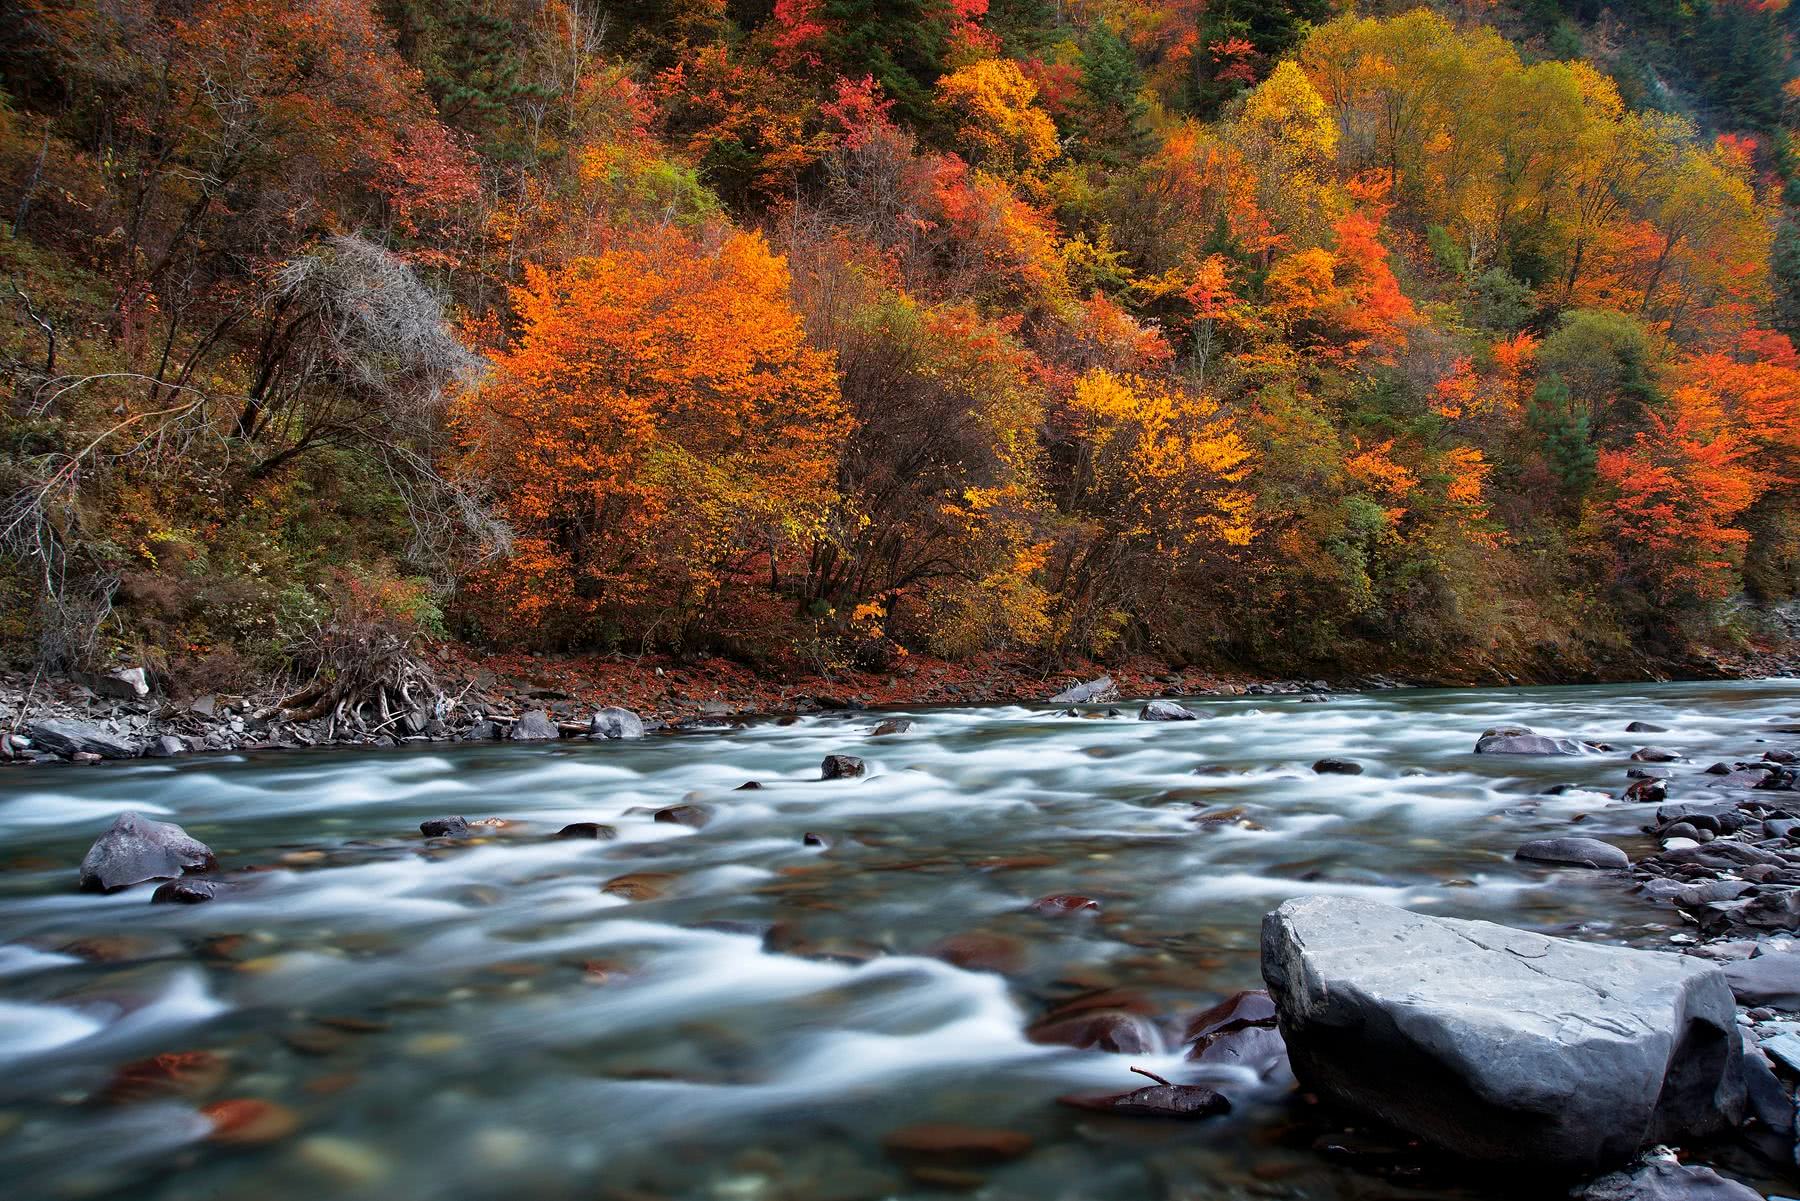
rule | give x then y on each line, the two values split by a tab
1287	336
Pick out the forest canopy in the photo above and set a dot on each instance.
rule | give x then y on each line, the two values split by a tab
1282	335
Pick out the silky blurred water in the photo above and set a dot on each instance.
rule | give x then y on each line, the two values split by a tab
483	1020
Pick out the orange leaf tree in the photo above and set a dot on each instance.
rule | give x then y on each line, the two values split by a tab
658	427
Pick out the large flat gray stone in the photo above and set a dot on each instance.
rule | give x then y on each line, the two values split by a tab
1499	1044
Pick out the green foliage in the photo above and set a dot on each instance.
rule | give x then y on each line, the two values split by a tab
1606	361
1497	302
1564	440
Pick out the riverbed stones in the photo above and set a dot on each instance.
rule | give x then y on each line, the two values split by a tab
1517	740
893	725
446	827
840	767
534	726
190	892
1102	1030
135	849
1646	727
1166	711
65	736
1093	692
613	723
1161	1100
691	816
1497	1044
1574	852
1062	903
1665	1180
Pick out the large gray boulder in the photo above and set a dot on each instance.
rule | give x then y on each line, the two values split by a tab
1519	740
135	849
534	726
1664	1180
1498	1044
614	722
66	737
1167	711
1090	693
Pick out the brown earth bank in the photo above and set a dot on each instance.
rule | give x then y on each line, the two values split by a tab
459	691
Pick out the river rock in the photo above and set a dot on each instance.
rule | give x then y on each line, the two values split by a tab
1514	740
840	767
1498	1044
613	722
893	725
1102	1030
1576	852
482	731
1646	727
135	849
1655	754
1664	1180
1091	693
1338	767
67	737
593	830
1772	980
1157	1101
691	816
1166	711
446	827
189	892
534	726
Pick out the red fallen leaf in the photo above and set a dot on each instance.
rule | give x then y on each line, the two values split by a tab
1160	1100
1065	902
246	1120
178	1073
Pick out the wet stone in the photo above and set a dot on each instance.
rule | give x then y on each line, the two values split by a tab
840	767
691	816
135	849
1338	767
893	725
1166	711
639	886
1156	1101
1065	902
1574	852
982	952
248	1121
1655	754
748	786
1647	792
1645	727
948	1143
589	830
191	892
1107	1030
446	827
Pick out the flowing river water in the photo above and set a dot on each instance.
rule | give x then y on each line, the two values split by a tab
754	1015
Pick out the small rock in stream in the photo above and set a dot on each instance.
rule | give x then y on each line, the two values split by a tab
944	1142
1157	1101
1517	740
893	725
446	827
594	830
1574	852
840	767
135	849
1338	767
1101	1030
1065	902
1655	754
1166	711
691	816
1645	727
190	892
1647	792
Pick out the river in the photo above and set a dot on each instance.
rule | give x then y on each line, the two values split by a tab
755	1015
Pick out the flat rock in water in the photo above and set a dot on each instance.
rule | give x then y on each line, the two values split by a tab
840	767
1655	754
1503	743
1645	727
1091	693
446	827
1104	1030
66	737
1772	980
691	816
534	726
893	725
1156	1101
1497	1044
1166	711
1661	1180
613	722
1338	767
190	892
1576	852
594	830
135	849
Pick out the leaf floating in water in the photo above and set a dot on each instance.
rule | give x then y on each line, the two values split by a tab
1159	1100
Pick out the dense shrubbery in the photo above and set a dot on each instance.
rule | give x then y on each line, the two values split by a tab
832	331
